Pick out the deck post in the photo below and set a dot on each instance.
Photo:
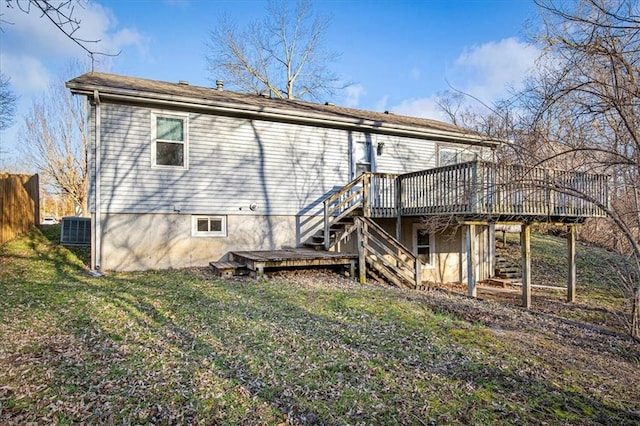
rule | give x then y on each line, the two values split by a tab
366	187
492	250
525	246
571	258
352	268
362	266
398	208
470	248
259	270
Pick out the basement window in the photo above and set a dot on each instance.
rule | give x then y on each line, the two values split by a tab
169	140
209	226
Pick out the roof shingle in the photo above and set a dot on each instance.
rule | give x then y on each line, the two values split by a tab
150	88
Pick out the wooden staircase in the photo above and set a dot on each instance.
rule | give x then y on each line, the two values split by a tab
381	256
338	231
385	258
507	269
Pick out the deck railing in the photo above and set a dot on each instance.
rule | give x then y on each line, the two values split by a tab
382	194
477	188
343	203
484	188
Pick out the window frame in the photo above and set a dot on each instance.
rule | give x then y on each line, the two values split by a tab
432	246
458	152
154	139
196	233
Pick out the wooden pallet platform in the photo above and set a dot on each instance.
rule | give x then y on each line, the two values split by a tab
257	261
228	269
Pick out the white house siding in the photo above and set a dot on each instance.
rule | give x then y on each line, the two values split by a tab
233	162
403	155
283	171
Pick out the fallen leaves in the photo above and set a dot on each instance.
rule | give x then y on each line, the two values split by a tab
303	347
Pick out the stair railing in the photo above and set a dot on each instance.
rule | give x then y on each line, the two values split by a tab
343	202
386	255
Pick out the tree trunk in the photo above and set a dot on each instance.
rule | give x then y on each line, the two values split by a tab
635	314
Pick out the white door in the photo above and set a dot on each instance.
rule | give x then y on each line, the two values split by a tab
424	248
362	155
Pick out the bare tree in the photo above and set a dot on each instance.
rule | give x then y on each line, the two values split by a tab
281	55
61	14
7	103
584	108
55	142
580	111
495	121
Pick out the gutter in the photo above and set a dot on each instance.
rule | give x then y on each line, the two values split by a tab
277	114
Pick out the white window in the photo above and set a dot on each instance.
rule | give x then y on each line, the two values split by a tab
169	140
209	226
448	156
424	245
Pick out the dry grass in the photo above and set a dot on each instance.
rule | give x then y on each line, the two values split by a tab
184	347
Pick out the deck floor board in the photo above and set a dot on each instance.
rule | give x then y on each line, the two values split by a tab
292	258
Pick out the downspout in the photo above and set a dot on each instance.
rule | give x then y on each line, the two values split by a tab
97	223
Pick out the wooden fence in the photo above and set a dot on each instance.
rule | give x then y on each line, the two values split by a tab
19	204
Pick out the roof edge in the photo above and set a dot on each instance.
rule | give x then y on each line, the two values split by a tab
279	114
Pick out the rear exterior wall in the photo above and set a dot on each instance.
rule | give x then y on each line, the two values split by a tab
267	179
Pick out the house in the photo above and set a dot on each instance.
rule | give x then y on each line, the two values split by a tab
182	175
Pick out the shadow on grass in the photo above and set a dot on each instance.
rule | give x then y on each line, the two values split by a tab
181	347
52	233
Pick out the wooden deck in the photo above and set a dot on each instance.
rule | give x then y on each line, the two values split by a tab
258	261
477	190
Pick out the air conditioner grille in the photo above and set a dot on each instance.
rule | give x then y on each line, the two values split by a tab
76	231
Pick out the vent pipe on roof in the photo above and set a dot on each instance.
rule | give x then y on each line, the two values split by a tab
219	85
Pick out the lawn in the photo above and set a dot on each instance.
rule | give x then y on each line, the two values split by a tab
186	347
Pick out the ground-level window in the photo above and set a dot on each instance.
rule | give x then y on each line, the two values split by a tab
448	156
424	245
169	146
209	226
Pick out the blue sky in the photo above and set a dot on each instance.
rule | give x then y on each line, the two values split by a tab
398	54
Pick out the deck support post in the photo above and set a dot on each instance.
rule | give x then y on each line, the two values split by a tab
492	250
259	270
571	259
525	247
398	209
362	264
470	247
